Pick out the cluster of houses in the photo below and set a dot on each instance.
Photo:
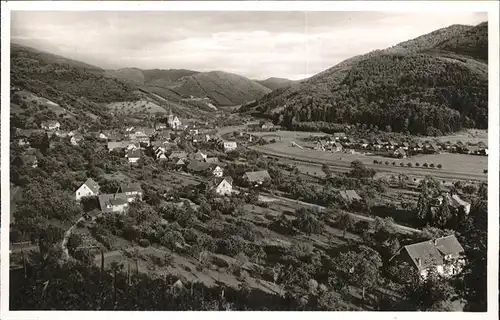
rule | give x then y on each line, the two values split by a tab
340	142
114	202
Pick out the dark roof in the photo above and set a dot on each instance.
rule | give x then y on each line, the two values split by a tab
424	254
178	154
430	253
92	185
258	175
114	199
198	166
449	245
131	187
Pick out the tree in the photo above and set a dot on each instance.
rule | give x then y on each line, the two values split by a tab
326	169
360	267
307	222
429	294
345	221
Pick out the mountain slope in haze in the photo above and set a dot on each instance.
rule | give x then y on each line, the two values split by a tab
416	86
86	90
223	88
275	83
150	77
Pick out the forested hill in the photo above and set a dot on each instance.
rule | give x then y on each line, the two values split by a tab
87	91
433	84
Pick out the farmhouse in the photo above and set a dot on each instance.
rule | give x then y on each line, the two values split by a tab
229	145
51	125
339	135
216	170
142	139
133	191
364	143
133	155
266	126
441	255
257	177
160	126
199	156
113	202
455	202
87	189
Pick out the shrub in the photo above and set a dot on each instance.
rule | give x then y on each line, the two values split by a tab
375	161
431	165
439	166
409	164
394	163
144	243
387	163
417	164
485	171
402	164
425	165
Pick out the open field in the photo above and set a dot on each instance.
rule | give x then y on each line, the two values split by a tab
472	171
472	135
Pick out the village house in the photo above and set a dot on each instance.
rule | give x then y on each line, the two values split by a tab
223	186
178	155
76	139
160	154
391	145
23	142
173	121
406	146
160	126
87	189
133	155
483	148
199	156
364	143
400	152
442	255
217	171
350	196
133	191
113	202
267	126
257	178
229	145
455	202
144	131
131	145
115	145
142	138
51	125
337	147
339	136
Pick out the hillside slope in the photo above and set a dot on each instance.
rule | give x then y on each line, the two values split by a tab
415	86
85	90
223	88
275	83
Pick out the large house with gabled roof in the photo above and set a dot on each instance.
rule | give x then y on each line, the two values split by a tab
87	189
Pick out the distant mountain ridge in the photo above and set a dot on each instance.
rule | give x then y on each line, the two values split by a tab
275	83
432	84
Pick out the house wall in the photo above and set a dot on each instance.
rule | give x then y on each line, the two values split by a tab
224	188
83	191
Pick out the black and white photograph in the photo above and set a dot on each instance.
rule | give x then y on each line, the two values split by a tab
213	160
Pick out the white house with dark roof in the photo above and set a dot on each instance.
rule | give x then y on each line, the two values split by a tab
223	186
87	189
442	255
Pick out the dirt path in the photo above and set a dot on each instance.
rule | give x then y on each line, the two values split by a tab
64	243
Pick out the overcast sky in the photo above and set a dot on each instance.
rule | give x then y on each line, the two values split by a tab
258	45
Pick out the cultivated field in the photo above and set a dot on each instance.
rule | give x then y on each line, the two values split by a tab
473	136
